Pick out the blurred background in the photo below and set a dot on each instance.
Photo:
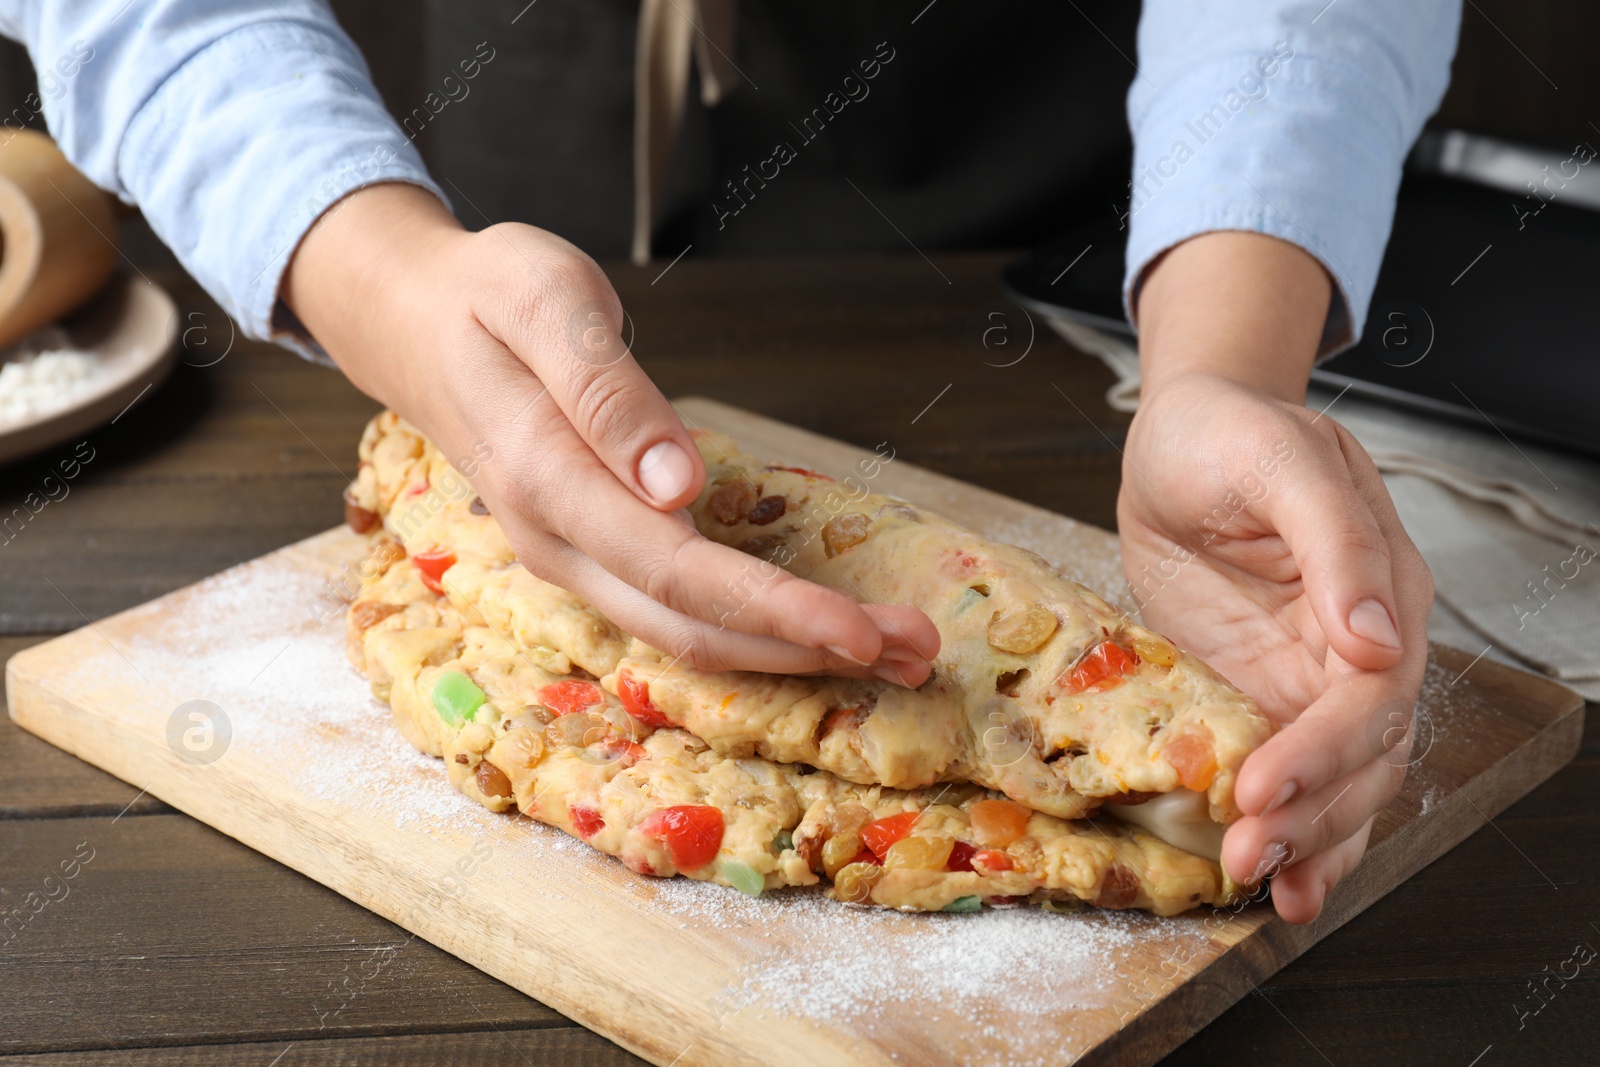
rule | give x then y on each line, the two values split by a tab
514	149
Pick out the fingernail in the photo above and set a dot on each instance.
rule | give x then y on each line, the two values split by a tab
665	471
1272	860
902	655
844	653
1284	793
1370	619
890	674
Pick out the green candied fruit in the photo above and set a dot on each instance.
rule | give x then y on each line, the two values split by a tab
968	598
743	877
455	697
783	842
964	904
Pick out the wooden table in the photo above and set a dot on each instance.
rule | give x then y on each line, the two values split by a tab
174	940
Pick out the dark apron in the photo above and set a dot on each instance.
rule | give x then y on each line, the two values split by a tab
983	125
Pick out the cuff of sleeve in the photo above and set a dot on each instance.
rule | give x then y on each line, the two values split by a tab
291	125
1282	159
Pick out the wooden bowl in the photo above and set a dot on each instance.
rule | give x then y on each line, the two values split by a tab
132	326
58	234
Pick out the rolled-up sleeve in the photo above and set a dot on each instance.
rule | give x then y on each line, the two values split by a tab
234	126
1287	119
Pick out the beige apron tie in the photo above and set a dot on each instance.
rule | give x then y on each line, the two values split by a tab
672	34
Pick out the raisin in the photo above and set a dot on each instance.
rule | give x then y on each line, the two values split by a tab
365	614
768	509
492	781
764	547
358	518
1119	889
730	501
845	718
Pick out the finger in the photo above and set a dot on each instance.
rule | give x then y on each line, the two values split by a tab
1312	825
1299	893
907	633
1361	717
570	334
567	492
1413	582
1343	556
704	645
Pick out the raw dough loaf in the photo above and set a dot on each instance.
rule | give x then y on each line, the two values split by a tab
548	742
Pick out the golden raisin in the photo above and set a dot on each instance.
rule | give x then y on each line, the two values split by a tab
384	554
569	731
492	781
1153	649
839	850
848	817
924	852
853	883
1021	630
845	532
522	745
731	500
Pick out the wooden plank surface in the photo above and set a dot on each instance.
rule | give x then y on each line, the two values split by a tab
1498	733
1433	971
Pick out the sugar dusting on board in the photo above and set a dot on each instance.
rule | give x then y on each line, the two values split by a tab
1007	983
1009	978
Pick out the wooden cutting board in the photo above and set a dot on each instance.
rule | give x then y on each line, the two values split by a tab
293	757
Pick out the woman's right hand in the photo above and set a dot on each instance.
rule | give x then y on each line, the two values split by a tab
511	337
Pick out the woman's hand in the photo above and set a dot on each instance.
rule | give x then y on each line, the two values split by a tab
511	337
1259	535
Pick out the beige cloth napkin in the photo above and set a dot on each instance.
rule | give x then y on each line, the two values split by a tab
1510	529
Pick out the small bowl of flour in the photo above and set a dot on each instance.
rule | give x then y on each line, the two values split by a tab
43	373
63	381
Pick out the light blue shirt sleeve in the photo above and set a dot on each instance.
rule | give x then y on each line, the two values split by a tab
234	126
1283	118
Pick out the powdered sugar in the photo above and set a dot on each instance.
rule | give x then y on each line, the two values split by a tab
250	641
1008	980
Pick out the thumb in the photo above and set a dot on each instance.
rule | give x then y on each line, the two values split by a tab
1343	558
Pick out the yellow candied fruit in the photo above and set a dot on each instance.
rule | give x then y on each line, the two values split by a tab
923	852
1026	853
